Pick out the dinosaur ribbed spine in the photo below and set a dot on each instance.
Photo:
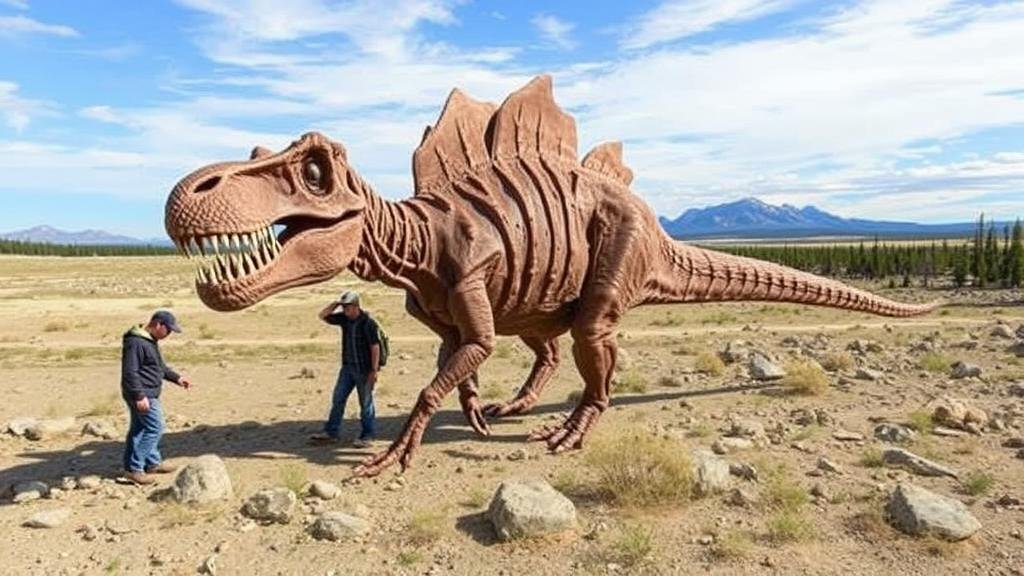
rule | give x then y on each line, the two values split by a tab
508	232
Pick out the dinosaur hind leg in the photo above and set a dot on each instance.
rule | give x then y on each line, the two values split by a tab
594	349
544	366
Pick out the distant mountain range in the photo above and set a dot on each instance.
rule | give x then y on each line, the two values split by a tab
752	218
747	218
51	235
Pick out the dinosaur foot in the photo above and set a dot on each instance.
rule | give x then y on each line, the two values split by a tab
519	405
474	413
401	451
570	434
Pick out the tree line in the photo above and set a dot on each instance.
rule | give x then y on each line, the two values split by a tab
991	259
43	249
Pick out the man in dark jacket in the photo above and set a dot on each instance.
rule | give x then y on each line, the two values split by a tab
360	362
142	374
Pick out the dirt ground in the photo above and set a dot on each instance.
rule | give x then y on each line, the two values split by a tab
60	327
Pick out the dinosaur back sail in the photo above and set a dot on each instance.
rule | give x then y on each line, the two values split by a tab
455	146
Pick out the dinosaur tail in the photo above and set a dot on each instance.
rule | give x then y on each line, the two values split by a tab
691	274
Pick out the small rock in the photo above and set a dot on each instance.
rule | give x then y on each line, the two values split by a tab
820	492
67	483
335	526
731	444
324	490
743	470
209	566
517	454
847	436
828	466
948	411
948	432
89	482
32	490
1016	389
735	351
523	509
306	373
894	433
915	463
742	498
100	429
48	518
271	505
918	512
19	426
763	369
710	473
962	369
867	374
203	480
44	429
1002	331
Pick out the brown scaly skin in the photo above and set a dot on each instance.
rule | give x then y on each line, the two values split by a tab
508	233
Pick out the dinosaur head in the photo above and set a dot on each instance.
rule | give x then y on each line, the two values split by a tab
256	227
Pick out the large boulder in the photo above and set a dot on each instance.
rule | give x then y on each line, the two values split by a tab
271	505
920	512
894	433
201	481
521	509
336	526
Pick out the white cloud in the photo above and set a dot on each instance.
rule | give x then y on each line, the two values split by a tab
16	25
19	4
677	19
554	30
17	112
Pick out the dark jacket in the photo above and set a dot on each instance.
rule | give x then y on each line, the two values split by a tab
356	338
142	367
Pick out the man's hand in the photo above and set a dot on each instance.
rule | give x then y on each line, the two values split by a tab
142	405
184	383
371	379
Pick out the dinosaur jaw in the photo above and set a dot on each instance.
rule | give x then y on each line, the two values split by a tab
236	269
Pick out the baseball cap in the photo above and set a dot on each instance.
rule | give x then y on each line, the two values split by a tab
167	319
349	298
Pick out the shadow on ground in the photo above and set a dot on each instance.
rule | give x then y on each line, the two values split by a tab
277	440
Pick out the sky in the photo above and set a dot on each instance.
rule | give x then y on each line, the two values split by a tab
898	110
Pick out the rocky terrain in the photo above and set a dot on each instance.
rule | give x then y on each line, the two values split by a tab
742	439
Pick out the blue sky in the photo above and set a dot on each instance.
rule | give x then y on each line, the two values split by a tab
874	109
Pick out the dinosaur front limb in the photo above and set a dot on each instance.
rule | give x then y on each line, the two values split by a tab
544	366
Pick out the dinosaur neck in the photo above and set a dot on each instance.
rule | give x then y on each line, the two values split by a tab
394	242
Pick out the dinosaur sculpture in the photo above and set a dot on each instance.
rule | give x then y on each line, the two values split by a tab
507	233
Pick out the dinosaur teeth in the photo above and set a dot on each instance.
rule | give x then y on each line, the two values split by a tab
227	257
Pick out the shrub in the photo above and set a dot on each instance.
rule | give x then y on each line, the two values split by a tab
56	326
805	377
934	362
732	546
921	421
630	381
709	363
634	545
871	458
789	526
978	483
425	527
293	477
640	470
835	361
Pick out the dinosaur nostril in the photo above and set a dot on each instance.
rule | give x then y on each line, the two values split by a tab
208	184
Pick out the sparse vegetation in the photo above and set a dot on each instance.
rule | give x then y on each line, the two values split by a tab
109	405
492	391
56	326
788	523
293	477
709	363
634	545
409	557
805	377
787	526
733	545
836	361
978	483
934	362
871	458
921	422
631	381
640	469
476	498
425	527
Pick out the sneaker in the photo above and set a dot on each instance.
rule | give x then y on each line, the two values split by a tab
362	442
322	438
140	478
161	469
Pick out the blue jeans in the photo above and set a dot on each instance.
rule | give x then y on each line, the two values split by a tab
349	379
144	431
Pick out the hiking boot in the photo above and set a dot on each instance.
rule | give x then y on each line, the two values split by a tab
321	439
362	442
139	478
161	469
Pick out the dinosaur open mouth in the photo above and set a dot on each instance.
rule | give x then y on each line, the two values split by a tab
228	257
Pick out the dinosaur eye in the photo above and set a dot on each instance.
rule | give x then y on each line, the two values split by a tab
312	174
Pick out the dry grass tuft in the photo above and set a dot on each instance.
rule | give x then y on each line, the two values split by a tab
641	470
934	362
631	381
806	378
836	361
425	527
709	363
